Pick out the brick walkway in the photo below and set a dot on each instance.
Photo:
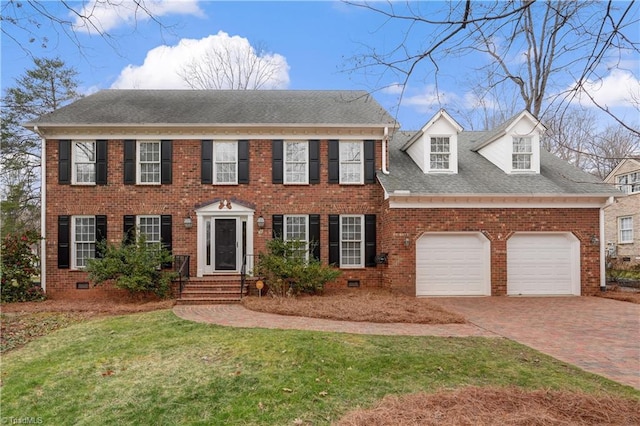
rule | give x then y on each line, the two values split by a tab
598	335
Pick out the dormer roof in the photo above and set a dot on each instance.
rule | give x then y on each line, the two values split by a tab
425	129
506	127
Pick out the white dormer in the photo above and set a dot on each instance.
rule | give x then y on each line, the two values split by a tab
435	148
514	146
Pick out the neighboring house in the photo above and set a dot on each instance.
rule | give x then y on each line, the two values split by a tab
622	218
215	174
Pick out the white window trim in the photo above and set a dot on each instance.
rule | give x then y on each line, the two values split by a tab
284	164
529	153
138	163
74	162
149	216
362	241
215	163
74	256
450	153
620	230
306	231
340	162
627	185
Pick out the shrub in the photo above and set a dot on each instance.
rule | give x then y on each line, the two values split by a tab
133	266
288	272
18	268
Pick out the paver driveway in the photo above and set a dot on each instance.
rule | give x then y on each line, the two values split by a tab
599	335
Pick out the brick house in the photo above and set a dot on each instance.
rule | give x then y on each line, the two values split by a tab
215	174
622	241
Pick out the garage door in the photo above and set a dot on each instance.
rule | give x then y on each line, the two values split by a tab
543	264
453	264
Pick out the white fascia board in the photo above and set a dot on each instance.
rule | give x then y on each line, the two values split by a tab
416	201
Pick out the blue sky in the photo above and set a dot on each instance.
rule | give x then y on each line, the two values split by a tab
313	40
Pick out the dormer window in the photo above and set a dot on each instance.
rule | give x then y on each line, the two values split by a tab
629	183
440	153
522	153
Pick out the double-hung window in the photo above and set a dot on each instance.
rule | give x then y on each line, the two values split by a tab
625	229
351	241
296	228
225	162
296	162
440	153
84	240
149	162
522	153
149	227
351	162
84	162
629	183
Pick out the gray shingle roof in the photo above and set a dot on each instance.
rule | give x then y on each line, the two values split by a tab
477	175
202	107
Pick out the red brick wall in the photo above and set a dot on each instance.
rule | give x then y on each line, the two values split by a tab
498	224
179	199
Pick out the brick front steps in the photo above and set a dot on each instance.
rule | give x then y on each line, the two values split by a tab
211	290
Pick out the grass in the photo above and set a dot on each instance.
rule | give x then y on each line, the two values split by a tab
156	368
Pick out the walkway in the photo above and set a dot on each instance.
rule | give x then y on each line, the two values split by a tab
599	335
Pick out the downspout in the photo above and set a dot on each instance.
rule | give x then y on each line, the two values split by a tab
603	259
385	143
43	210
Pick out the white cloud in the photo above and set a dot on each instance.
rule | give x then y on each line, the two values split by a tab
618	89
393	89
103	16
163	65
429	98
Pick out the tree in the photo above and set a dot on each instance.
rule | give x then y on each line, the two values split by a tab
551	52
232	63
42	89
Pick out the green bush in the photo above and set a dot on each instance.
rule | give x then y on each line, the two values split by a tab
18	268
134	266
288	272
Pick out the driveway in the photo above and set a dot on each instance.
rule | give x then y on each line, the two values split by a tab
599	335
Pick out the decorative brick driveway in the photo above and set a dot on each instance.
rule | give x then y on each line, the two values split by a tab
599	335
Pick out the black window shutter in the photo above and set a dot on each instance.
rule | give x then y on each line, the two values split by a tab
277	226
369	161
370	240
129	229
334	161
64	235
165	235
206	162
166	159
334	239
101	162
101	233
129	171
277	161
314	161
243	161
314	235
64	162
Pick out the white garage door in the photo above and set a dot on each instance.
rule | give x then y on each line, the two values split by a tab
543	264
453	264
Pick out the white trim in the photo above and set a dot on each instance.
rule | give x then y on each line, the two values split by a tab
72	246
363	240
138	163
620	229
361	181
43	211
74	162
214	176
411	201
285	162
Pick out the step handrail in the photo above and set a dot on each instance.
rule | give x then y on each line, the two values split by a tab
181	267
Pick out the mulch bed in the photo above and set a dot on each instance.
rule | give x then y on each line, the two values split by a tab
497	406
624	294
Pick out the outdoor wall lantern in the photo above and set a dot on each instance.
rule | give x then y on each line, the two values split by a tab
188	223
260	222
407	241
594	240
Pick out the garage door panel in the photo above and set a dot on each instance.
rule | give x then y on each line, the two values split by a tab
543	264
452	264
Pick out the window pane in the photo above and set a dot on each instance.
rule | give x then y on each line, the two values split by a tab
149	226
84	160
85	152
150	151
440	144
85	173
149	173
440	161
226	173
521	161
521	144
296	173
296	151
296	158
351	241
84	240
350	162
225	164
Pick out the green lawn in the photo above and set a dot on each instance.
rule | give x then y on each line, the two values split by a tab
155	368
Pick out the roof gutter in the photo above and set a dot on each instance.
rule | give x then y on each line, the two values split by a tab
603	259
385	143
